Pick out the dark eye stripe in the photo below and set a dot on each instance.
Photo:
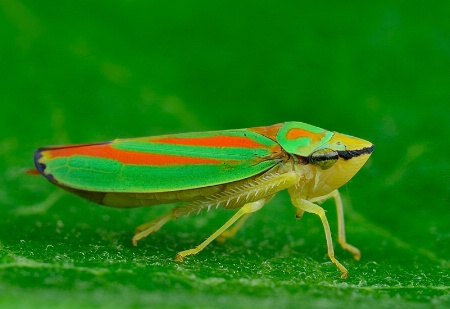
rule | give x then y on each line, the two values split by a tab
348	154
325	157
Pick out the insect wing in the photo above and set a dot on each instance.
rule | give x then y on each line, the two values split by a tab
161	163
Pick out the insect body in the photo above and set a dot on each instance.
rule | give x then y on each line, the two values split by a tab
240	169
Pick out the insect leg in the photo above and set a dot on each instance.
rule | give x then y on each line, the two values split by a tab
244	210
146	229
308	206
233	230
341	226
236	227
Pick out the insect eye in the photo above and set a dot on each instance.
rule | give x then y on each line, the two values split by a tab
325	158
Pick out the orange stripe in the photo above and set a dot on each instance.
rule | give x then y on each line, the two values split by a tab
211	141
295	133
127	156
270	131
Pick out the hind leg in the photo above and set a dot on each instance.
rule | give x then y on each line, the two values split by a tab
233	230
147	228
243	211
237	226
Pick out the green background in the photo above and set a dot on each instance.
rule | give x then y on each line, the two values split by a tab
87	71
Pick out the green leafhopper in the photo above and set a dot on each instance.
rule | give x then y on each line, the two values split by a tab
236	169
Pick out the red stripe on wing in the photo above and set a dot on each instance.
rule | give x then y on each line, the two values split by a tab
126	156
211	141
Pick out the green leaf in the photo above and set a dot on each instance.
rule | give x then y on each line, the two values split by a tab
86	72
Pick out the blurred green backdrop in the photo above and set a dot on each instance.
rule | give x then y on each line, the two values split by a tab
87	71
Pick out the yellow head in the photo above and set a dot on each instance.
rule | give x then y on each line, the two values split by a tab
336	162
327	159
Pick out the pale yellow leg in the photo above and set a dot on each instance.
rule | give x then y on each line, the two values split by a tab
341	226
244	210
273	185
315	209
146	229
341	229
233	230
237	226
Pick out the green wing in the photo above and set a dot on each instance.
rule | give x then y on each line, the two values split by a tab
161	163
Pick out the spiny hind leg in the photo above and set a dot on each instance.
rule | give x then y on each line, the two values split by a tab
244	210
341	226
308	206
266	186
147	228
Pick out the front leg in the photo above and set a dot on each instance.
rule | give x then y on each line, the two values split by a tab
305	205
341	226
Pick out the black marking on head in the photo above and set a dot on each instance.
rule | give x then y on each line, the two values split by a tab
325	158
332	155
348	154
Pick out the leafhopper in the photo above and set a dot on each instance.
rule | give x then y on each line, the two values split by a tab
236	169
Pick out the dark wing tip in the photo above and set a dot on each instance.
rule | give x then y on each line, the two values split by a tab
41	166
